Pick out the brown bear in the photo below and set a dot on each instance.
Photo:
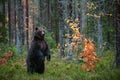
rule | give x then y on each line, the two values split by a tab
37	53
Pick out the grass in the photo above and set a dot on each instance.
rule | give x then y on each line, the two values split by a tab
60	69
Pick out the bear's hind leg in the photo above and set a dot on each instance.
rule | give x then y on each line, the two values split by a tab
41	68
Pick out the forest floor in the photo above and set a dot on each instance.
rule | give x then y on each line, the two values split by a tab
60	69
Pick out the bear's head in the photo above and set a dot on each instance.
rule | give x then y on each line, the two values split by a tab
39	34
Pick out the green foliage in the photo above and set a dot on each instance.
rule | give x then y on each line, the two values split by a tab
106	19
5	48
57	69
2	18
2	1
3	29
108	31
50	40
3	35
2	55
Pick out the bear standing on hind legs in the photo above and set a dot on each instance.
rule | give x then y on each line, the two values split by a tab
37	53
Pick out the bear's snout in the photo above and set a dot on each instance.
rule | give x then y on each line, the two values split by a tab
43	33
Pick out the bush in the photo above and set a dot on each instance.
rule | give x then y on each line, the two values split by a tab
50	40
5	48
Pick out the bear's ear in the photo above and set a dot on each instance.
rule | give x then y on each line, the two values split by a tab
36	29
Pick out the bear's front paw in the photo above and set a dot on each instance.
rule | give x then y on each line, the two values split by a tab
48	58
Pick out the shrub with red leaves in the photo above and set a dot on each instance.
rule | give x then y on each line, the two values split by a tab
7	56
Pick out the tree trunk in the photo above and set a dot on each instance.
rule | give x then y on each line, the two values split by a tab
12	23
69	7
99	26
15	32
3	11
100	40
23	20
61	28
33	8
9	22
69	46
40	12
83	16
54	19
27	25
48	13
117	32
20	25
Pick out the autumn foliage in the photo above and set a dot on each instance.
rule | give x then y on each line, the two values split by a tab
7	56
89	56
76	36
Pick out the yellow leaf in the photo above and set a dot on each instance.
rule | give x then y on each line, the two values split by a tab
77	20
71	24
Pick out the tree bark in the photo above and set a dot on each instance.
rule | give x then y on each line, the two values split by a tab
61	27
23	20
27	25
54	19
40	12
117	32
15	29
20	25
9	22
48	13
12	22
69	9
100	40
33	8
99	26
83	16
3	11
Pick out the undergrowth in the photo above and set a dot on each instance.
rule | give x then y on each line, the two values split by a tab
60	69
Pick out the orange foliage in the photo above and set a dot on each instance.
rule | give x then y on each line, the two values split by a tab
89	56
76	37
7	56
